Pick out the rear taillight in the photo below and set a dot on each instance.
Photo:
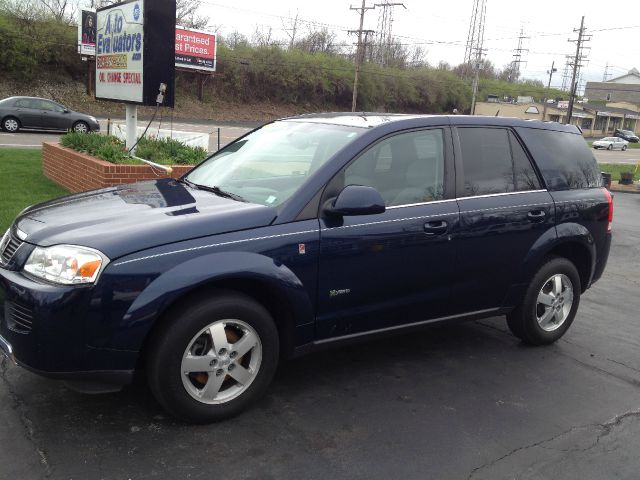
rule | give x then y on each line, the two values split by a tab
607	194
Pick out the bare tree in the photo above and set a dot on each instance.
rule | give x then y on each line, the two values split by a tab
319	41
187	14
262	36
234	40
61	10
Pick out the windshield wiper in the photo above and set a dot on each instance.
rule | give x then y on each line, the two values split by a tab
218	191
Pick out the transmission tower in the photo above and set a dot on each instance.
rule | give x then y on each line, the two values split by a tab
384	35
566	73
517	57
475	38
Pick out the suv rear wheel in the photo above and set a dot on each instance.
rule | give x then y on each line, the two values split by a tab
549	305
214	359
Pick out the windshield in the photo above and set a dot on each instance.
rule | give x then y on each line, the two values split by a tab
269	165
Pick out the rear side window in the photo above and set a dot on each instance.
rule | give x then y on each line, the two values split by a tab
24	103
564	159
494	162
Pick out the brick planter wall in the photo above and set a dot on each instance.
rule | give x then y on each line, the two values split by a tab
78	172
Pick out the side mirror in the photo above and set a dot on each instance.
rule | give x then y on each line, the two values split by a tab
66	110
356	200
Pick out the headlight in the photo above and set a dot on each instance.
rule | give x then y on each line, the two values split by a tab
93	119
66	264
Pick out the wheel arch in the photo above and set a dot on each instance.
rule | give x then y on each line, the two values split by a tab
571	241
275	287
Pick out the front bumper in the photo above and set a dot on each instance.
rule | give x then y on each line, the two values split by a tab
43	328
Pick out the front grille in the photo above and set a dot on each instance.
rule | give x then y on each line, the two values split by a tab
19	317
9	249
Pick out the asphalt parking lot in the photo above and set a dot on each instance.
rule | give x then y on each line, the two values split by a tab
466	401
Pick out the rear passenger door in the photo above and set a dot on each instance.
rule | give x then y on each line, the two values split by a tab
504	210
28	113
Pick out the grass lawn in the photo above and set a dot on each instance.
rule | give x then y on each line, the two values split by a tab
615	168
22	183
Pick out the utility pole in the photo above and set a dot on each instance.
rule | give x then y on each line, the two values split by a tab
359	52
476	78
576	64
550	72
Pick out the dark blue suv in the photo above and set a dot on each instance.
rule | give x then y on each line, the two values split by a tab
305	232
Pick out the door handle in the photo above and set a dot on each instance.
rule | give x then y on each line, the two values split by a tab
436	228
536	215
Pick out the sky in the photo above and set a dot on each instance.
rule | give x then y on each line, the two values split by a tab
441	28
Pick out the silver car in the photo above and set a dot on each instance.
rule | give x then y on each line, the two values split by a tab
611	143
42	114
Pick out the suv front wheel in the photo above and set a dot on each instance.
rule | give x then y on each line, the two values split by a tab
549	305
214	358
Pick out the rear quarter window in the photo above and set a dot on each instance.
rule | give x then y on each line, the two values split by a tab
564	159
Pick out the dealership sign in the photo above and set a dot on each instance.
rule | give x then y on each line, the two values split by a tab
195	49
134	51
87	33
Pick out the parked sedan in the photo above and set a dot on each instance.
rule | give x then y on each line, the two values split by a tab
39	113
628	135
611	143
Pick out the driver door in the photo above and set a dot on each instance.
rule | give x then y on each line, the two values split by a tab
398	267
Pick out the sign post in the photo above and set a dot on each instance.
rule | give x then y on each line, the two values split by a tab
132	126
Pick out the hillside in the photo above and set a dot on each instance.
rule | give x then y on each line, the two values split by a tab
253	82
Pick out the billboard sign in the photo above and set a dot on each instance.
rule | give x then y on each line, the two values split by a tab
134	51
120	52
195	49
87	32
563	104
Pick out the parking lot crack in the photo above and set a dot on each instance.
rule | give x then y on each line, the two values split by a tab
27	423
604	429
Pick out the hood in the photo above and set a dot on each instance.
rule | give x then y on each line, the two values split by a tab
125	219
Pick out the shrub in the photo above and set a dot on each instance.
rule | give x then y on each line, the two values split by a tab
111	149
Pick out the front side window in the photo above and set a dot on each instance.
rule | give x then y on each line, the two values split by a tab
494	162
270	164
405	169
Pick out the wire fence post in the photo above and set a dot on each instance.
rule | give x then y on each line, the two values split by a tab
218	138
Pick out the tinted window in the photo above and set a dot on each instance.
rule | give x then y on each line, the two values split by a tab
494	162
564	159
49	106
24	103
405	169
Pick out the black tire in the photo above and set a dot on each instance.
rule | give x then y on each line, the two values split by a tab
624	147
523	321
174	336
610	147
81	127
11	124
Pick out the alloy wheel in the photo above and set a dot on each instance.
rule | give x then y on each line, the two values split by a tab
80	127
11	125
221	361
554	302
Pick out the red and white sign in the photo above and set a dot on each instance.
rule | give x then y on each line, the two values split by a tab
195	49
